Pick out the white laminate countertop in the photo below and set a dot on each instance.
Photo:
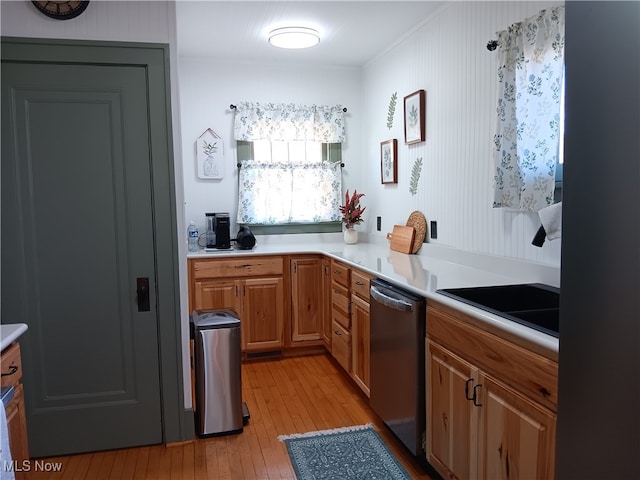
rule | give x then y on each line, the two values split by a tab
10	332
433	268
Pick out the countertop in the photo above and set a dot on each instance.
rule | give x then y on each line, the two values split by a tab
10	332
433	268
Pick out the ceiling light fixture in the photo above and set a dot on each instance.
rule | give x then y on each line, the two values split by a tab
294	37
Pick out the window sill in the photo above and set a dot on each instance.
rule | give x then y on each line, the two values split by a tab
293	228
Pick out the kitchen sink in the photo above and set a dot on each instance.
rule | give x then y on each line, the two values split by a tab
532	304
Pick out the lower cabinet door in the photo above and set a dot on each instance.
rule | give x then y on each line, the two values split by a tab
517	436
360	342
216	294
451	417
262	319
306	299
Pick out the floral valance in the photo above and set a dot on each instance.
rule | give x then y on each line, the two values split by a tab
289	122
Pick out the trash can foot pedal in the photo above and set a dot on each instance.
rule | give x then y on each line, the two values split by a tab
245	414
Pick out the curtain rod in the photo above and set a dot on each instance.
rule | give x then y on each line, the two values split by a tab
233	107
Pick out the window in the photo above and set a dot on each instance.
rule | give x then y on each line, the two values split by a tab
290	167
287	187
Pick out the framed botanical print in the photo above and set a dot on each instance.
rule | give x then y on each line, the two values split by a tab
414	112
389	161
210	155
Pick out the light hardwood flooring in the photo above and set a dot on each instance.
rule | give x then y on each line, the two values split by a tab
284	396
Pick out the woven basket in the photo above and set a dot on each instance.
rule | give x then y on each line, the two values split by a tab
418	221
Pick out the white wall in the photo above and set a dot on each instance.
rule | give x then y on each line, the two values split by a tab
208	88
447	57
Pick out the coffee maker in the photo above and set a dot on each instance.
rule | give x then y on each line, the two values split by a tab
218	231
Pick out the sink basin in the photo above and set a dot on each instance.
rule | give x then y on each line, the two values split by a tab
533	304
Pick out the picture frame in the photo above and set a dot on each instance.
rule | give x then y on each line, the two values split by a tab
414	113
210	155
389	161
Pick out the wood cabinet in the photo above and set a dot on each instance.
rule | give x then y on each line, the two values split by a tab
11	363
341	314
360	330
491	403
307	301
253	286
327	334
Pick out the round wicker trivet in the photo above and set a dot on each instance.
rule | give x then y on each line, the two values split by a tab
418	221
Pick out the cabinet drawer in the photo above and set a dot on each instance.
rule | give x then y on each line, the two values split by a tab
360	284
521	369
340	273
341	318
237	267
340	298
11	365
341	346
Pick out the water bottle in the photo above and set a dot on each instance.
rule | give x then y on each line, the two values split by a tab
192	235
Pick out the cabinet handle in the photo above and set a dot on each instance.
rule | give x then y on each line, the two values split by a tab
337	272
466	390
242	266
475	395
359	282
12	369
337	332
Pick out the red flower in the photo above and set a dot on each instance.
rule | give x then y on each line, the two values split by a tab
351	211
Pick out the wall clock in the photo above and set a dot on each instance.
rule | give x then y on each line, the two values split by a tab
61	10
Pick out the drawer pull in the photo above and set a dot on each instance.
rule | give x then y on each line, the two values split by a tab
466	389
337	272
358	282
475	395
12	369
242	266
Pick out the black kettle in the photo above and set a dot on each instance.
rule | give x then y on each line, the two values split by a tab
245	239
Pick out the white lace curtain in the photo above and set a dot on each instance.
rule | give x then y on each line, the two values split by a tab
292	184
289	122
530	73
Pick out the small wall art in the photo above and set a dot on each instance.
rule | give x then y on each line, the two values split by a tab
388	161
210	155
414	113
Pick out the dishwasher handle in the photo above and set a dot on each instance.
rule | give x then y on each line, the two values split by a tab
391	302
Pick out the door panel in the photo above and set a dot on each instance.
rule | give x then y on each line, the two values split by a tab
306	304
76	200
263	313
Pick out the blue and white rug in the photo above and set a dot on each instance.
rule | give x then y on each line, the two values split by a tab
342	453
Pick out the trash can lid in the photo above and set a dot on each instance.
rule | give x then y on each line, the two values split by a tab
203	319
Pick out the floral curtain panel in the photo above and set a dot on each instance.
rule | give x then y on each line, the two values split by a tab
277	193
289	122
530	72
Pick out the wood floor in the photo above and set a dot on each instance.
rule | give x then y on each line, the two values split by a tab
284	396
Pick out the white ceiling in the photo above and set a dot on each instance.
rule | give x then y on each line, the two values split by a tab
352	32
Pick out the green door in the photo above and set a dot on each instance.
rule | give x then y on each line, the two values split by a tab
78	251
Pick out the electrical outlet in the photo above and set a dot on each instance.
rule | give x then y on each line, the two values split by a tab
433	229
378	223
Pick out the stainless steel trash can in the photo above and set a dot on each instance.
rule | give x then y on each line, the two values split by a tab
219	408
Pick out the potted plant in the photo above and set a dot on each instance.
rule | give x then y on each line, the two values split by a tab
352	215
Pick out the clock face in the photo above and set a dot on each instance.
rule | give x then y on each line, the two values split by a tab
61	10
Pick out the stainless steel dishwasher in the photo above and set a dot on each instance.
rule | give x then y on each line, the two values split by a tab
397	390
